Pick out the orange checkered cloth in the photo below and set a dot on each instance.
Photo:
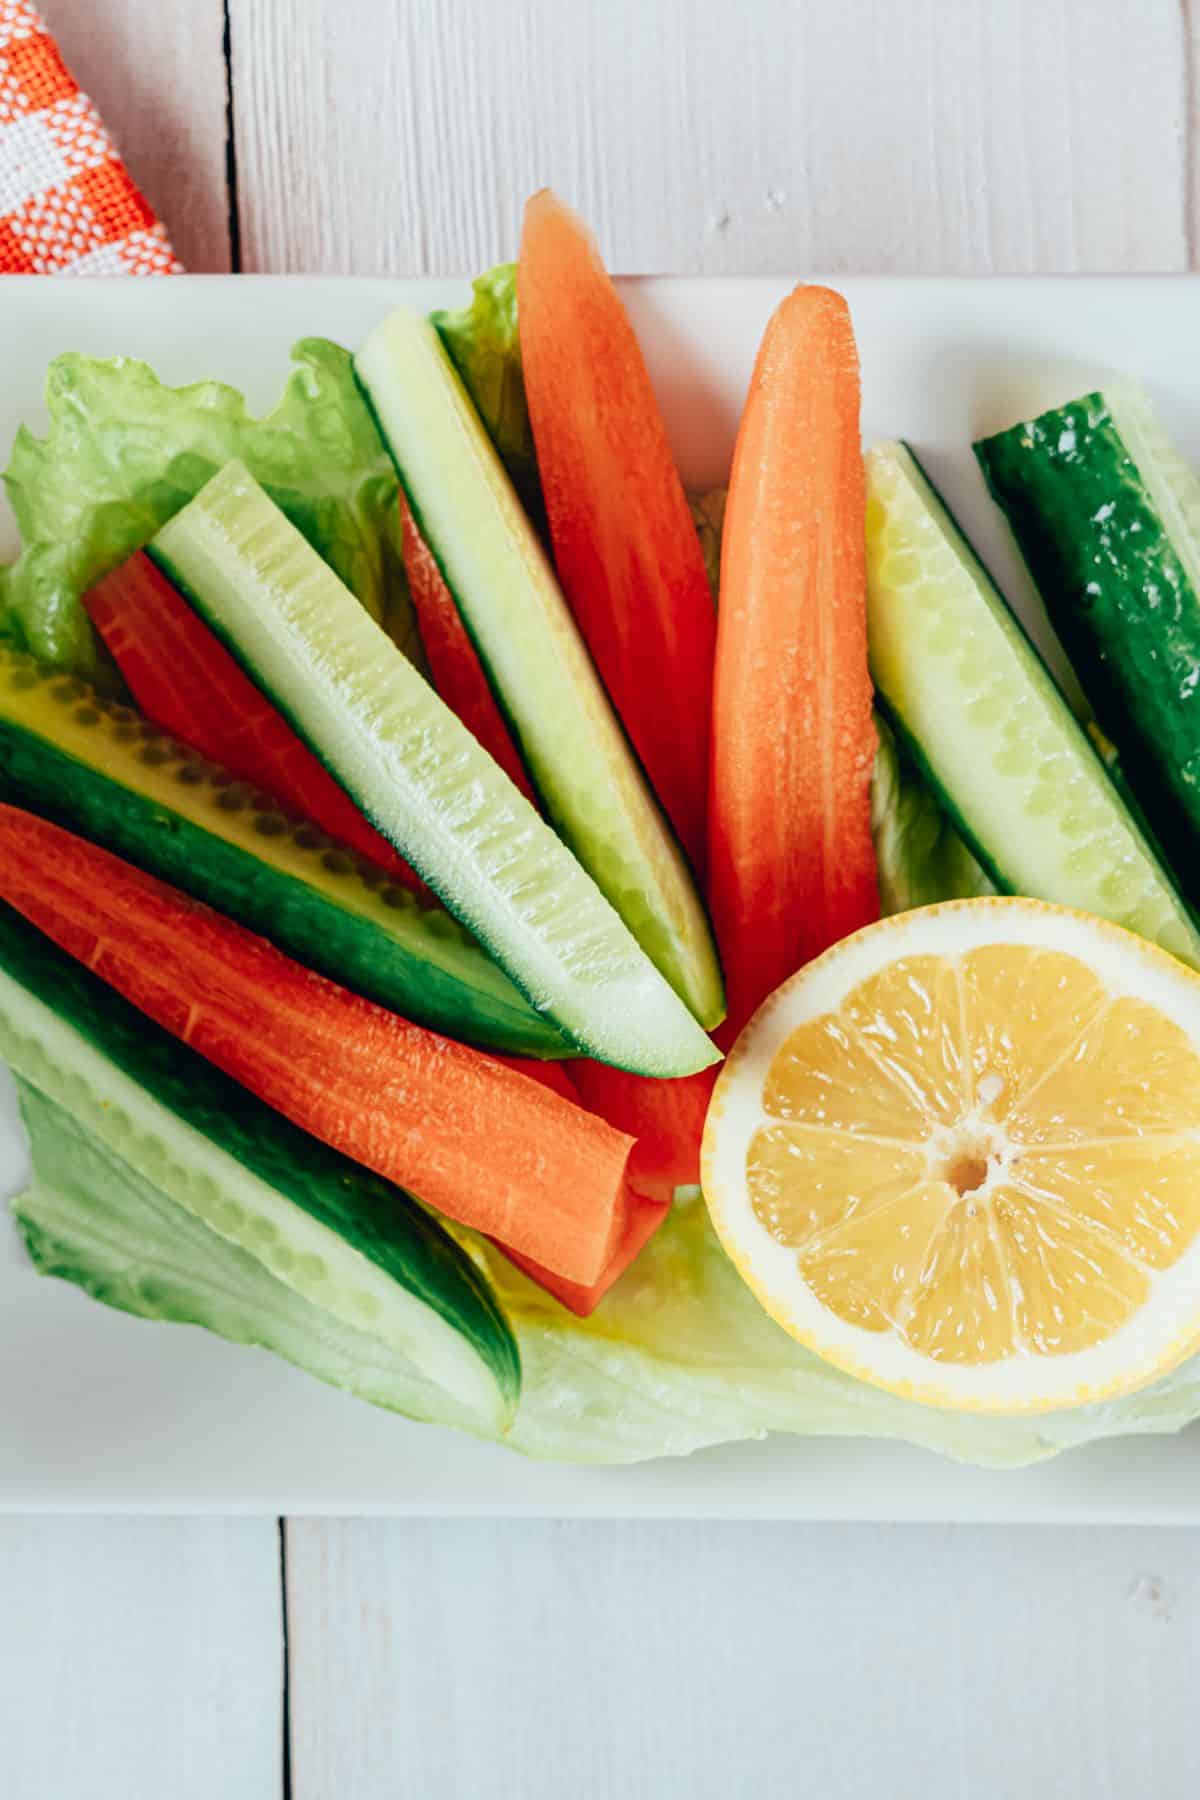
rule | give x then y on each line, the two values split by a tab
68	205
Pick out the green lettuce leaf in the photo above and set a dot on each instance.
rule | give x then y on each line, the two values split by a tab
90	1218
678	1357
920	856
483	343
124	452
681	1356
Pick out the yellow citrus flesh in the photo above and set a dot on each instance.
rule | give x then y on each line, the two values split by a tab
960	1156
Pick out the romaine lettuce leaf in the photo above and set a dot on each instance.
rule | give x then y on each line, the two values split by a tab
90	1218
124	452
483	344
679	1356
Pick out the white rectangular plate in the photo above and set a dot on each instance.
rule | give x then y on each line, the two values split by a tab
102	1412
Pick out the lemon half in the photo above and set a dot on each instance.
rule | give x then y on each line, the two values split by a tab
959	1157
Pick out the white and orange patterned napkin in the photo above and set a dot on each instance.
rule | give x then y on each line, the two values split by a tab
68	205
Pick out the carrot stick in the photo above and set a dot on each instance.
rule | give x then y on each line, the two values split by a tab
652	1170
186	681
792	867
666	1118
643	1219
480	1142
625	547
453	663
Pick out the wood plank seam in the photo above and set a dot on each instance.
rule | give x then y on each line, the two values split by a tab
231	164
286	1661
156	75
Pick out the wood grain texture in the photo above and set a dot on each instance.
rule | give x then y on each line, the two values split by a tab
140	1658
156	71
1190	26
701	137
519	1661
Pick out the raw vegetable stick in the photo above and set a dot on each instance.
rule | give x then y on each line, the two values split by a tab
625	547
459	677
648	1201
421	777
995	739
792	867
479	1142
214	1172
643	1220
103	772
632	567
1106	513
185	680
454	665
538	665
667	1118
642	1214
551	1074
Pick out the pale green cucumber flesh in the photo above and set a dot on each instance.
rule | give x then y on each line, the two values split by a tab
97	768
422	778
339	1236
91	1218
572	743
1012	764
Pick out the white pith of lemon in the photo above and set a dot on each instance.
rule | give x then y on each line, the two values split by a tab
959	1157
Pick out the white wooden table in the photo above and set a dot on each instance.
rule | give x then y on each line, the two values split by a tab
152	1658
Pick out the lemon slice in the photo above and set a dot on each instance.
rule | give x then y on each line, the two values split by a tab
959	1156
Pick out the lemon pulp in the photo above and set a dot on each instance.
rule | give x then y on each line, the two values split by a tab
982	1156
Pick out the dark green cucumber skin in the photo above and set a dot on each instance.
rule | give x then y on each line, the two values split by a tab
1097	551
1114	769
36	774
378	1220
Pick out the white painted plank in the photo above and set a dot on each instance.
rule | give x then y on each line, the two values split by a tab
704	137
157	74
140	1658
518	1661
1190	12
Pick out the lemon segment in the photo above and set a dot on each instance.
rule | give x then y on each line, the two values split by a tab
959	1156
